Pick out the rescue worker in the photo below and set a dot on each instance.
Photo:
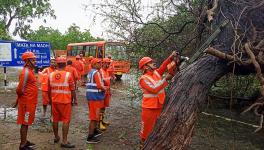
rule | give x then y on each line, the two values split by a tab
79	66
61	89
44	84
95	94
27	98
82	59
111	68
152	85
51	68
74	74
83	76
89	67
106	80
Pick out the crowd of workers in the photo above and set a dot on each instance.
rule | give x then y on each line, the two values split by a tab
58	86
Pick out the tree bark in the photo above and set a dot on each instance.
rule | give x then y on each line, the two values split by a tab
175	126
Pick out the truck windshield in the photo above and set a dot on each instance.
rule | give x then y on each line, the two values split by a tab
118	52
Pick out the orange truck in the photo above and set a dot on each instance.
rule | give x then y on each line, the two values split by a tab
102	49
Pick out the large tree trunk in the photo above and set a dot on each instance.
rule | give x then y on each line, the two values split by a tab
174	128
176	123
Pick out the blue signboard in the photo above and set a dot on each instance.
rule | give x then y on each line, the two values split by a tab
11	52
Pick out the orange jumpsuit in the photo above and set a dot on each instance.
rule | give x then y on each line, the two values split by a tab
60	85
27	94
44	84
152	86
106	81
73	71
95	105
79	66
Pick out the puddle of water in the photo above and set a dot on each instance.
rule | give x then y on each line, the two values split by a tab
10	85
8	113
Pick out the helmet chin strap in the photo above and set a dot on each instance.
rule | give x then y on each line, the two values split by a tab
29	63
150	68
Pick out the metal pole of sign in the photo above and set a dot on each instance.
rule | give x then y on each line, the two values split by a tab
5	77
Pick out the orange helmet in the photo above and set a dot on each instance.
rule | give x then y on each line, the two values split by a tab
95	60
106	60
143	61
61	60
28	55
78	56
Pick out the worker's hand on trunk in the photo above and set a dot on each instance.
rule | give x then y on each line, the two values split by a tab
168	76
174	54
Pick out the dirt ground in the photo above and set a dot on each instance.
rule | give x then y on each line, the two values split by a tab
123	134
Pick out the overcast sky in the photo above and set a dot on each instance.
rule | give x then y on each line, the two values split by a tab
72	11
69	12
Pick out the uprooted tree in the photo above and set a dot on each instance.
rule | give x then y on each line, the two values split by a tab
238	48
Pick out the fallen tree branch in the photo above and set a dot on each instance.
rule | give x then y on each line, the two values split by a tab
210	12
260	102
219	54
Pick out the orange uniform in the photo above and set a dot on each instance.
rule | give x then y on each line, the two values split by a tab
27	94
48	70
152	86
73	71
95	105
79	66
107	82
61	84
44	84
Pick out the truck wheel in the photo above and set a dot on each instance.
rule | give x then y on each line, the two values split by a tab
118	77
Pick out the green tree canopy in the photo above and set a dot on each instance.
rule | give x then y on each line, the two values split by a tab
22	13
60	40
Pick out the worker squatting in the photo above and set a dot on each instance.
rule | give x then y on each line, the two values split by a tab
58	85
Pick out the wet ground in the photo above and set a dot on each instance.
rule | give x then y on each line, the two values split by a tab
218	128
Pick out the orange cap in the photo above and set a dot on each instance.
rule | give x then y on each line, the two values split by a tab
28	55
61	60
95	60
143	61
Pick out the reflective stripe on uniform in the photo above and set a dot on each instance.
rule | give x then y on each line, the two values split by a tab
61	91
92	84
153	95
93	90
59	84
25	79
65	83
153	83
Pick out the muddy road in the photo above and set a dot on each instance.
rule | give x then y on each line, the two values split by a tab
211	132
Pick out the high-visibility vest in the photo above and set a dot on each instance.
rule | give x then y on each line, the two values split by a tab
92	92
60	90
151	100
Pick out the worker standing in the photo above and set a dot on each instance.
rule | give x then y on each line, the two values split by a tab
95	94
44	84
89	65
61	89
74	74
27	98
152	85
106	80
79	66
